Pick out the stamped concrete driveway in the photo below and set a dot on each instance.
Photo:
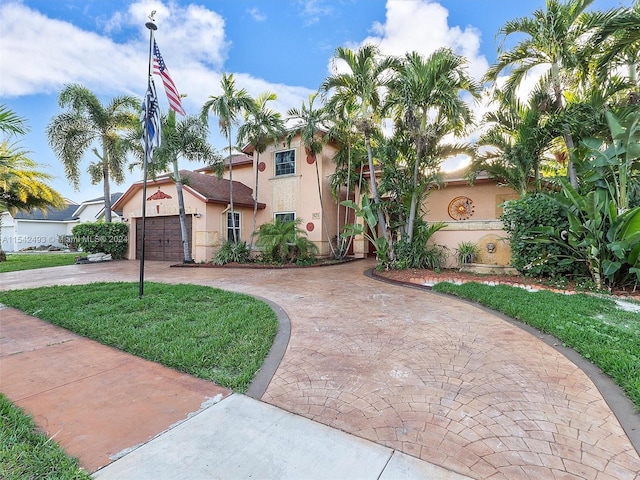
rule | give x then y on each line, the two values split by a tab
428	375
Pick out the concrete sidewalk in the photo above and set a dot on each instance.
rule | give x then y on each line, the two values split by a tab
243	438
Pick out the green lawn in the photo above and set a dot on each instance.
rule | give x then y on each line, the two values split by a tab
594	326
26	454
29	261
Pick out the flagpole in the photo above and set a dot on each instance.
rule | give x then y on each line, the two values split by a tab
148	149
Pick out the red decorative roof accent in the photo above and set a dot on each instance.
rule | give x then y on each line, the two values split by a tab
159	195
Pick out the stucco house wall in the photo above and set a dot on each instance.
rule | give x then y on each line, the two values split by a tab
482	226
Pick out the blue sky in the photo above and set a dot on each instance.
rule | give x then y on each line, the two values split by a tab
283	46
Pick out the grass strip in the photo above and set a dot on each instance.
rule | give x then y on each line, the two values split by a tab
594	326
27	454
212	334
29	261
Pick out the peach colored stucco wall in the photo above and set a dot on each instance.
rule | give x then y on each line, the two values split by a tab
482	228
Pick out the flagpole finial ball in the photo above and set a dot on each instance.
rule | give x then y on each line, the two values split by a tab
151	26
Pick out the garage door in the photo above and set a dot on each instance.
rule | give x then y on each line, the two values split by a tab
163	239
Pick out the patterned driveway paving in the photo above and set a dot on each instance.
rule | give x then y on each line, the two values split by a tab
428	375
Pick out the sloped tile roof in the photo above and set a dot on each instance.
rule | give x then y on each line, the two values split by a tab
50	214
216	190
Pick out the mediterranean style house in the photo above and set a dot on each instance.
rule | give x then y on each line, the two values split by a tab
287	189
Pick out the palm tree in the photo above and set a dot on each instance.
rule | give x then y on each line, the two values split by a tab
425	95
261	127
512	148
87	121
554	39
22	185
349	160
228	107
310	122
360	86
11	123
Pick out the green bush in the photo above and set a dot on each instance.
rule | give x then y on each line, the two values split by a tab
231	251
285	242
102	237
520	218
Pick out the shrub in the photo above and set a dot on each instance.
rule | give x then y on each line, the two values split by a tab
285	242
521	217
467	252
232	252
109	238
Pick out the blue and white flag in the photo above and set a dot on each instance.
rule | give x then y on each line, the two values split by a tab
150	119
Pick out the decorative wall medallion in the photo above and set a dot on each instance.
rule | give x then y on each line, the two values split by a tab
159	195
461	208
310	159
310	227
261	166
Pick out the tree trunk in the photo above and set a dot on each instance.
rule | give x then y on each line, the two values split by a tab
376	198
233	217
183	216
255	202
414	194
106	188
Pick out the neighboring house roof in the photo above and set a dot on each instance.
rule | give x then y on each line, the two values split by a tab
51	214
237	160
100	200
208	188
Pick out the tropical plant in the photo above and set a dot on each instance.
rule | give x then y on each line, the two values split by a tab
285	242
22	185
11	123
232	252
467	252
511	149
228	106
521	218
554	38
419	252
311	125
261	126
359	87
368	229
108	238
425	98
86	122
604	232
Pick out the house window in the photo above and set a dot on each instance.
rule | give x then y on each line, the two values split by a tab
285	162
230	226
285	217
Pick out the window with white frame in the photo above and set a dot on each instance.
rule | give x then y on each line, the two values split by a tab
285	216
285	162
233	224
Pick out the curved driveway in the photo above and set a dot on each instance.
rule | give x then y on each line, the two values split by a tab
428	375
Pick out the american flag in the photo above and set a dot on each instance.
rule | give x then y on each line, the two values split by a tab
160	68
150	119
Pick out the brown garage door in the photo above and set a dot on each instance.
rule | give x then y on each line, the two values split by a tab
163	239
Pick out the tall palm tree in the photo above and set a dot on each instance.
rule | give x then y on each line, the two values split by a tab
554	38
311	122
426	95
261	127
228	106
86	122
349	160
360	86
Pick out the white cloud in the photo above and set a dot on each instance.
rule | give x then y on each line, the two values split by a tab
422	26
256	14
